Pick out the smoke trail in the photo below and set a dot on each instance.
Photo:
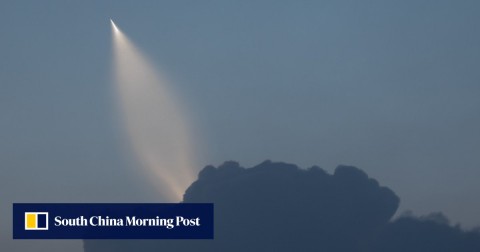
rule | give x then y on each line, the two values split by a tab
154	122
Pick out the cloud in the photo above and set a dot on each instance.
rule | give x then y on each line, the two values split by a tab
425	233
280	207
275	202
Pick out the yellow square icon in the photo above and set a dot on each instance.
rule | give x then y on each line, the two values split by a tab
36	220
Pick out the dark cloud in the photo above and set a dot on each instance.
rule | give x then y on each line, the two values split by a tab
279	207
430	233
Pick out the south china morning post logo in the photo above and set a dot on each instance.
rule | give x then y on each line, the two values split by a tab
36	220
113	221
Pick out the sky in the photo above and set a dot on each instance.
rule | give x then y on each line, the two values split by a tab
390	87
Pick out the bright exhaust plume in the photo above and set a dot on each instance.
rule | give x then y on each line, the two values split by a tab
155	124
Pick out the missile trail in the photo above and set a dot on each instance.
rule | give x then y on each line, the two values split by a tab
154	121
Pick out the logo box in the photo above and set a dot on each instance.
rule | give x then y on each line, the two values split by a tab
113	221
36	221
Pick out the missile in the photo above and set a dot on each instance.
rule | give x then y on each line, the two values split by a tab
113	25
